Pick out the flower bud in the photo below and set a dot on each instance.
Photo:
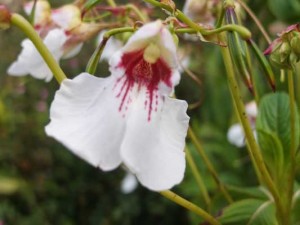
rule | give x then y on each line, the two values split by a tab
293	59
280	56
200	11
5	16
42	13
284	51
169	3
67	17
295	43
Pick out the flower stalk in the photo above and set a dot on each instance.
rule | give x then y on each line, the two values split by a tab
94	60
209	165
292	163
242	31
254	151
190	206
197	177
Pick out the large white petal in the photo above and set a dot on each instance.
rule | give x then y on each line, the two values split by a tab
157	33
31	62
153	149
85	118
141	38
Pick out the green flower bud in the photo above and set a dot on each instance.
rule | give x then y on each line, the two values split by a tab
293	59
284	51
295	43
278	60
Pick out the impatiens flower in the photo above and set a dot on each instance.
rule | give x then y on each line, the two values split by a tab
128	117
63	33
236	135
30	61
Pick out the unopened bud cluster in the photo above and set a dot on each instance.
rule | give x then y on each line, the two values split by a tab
285	50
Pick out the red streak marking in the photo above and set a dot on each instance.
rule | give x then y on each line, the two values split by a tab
144	74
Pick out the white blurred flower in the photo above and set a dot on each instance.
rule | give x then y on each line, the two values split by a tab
30	61
129	183
235	134
63	33
42	14
128	117
200	11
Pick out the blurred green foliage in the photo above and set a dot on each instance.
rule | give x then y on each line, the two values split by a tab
43	183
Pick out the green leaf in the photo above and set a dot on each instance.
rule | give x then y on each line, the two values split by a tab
274	129
272	151
287	10
264	215
296	207
258	192
240	212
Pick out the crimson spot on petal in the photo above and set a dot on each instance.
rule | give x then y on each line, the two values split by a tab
144	74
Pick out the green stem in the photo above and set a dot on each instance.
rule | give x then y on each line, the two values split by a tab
292	111
229	27
137	12
254	150
118	31
190	206
29	31
94	60
256	21
197	177
264	63
244	32
209	165
292	167
32	13
221	18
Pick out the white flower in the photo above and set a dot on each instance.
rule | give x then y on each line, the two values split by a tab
30	61
112	46
129	183
235	134
128	117
63	34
